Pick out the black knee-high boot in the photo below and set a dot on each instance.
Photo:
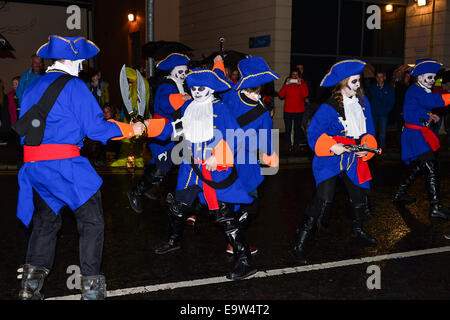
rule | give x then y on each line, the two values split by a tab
358	233
178	214
431	168
143	186
314	213
32	281
227	220
401	196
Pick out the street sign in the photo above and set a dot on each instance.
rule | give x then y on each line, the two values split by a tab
259	42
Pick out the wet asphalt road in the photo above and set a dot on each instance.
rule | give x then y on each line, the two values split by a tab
130	238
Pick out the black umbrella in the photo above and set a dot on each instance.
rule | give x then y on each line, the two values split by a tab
231	59
5	45
160	49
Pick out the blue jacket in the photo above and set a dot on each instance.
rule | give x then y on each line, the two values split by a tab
259	139
223	120
25	81
74	116
382	99
164	109
327	120
418	105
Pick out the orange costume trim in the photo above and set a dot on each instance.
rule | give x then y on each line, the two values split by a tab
155	127
221	66
223	154
176	100
446	98
272	161
127	130
323	146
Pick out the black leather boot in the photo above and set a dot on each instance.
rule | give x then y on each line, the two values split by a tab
314	213
358	233
178	214
401	196
432	178
227	220
32	281
93	287
154	178
135	196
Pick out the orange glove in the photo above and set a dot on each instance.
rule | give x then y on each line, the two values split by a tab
272	161
446	98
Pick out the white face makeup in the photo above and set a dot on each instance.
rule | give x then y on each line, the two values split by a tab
427	80
179	72
201	94
353	84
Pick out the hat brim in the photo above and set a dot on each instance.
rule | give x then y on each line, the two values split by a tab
342	70
206	78
59	48
255	80
426	67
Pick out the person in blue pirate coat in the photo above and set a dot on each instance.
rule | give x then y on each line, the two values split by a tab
345	119
255	120
58	112
173	88
418	140
208	169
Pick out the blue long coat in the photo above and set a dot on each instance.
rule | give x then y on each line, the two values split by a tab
418	105
250	170
75	115
326	120
164	109
223	120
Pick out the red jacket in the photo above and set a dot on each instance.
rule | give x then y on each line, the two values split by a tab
295	95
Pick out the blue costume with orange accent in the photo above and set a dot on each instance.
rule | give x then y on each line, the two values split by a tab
346	122
208	168
54	174
418	141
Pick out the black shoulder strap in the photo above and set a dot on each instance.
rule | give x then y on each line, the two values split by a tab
32	123
251	115
225	183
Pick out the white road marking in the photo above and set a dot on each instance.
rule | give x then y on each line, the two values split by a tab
263	274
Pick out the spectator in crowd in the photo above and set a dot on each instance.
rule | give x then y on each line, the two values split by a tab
4	117
235	76
13	103
294	91
400	90
99	88
382	99
35	72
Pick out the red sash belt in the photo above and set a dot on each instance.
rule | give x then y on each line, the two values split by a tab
208	191
50	152
428	135
157	116
362	167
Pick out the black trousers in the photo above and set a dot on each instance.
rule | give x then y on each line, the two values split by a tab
46	224
326	190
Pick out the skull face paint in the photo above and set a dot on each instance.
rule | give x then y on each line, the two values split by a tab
179	73
353	84
201	94
427	80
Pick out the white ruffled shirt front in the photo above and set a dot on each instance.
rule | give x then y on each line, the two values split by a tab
355	120
198	121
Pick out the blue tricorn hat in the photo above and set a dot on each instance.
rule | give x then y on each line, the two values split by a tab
254	72
342	70
67	48
425	66
206	78
173	60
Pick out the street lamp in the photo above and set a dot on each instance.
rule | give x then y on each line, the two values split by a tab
131	16
421	3
389	8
